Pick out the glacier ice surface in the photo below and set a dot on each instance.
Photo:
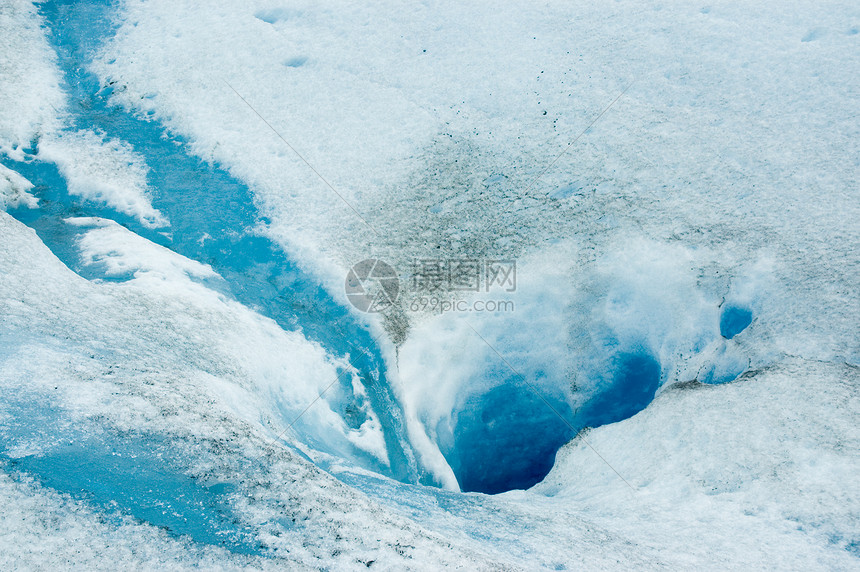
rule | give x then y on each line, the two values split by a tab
688	283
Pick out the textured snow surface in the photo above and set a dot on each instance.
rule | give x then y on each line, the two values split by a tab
688	282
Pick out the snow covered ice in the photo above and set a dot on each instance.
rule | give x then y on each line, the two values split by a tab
668	377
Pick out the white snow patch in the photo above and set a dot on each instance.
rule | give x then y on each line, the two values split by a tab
121	251
102	170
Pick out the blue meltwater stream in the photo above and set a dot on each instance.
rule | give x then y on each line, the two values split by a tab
199	199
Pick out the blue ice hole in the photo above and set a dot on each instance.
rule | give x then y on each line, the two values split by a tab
507	438
734	320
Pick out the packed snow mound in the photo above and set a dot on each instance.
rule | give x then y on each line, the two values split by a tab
14	190
766	464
